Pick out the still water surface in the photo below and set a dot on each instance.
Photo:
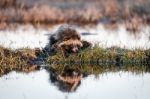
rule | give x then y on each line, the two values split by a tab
110	85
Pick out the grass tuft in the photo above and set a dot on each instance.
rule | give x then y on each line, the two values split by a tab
98	60
101	55
15	60
91	60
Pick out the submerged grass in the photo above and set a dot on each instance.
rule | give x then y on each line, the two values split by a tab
88	69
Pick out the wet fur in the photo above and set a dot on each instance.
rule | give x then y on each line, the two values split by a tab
66	37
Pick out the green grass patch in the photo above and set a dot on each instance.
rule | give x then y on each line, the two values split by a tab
100	55
91	61
98	60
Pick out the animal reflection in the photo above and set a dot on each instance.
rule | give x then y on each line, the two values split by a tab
67	81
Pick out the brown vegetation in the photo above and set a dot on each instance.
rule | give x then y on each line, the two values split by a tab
19	60
80	11
27	60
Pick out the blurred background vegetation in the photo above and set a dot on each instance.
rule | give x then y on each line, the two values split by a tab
74	11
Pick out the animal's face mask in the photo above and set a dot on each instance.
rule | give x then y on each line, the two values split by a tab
71	46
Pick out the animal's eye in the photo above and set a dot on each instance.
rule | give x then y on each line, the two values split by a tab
71	45
63	46
78	46
65	39
67	47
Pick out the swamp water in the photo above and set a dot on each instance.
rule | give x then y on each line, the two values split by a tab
43	83
107	85
27	36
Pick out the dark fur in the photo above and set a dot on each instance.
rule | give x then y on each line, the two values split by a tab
65	34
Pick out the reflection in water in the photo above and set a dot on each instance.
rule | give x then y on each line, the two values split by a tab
114	82
68	81
69	77
49	83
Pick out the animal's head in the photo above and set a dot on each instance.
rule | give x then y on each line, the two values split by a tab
67	33
68	40
71	46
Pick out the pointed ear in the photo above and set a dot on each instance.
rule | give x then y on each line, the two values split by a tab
86	44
